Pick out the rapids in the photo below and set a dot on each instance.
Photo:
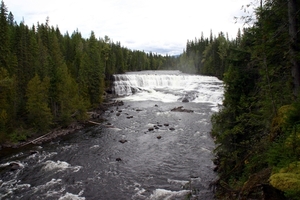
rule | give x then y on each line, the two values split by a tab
144	150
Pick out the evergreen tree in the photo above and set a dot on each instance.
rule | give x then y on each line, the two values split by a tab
4	37
39	112
7	103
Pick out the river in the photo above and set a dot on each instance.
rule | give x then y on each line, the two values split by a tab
156	145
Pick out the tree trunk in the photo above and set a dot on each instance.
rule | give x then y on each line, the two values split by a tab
292	15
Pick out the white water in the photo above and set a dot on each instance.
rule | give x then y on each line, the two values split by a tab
84	166
168	86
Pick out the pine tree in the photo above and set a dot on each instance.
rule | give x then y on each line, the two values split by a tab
4	38
39	112
92	73
71	105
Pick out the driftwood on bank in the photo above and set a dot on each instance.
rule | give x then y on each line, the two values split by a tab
96	115
54	134
92	122
36	140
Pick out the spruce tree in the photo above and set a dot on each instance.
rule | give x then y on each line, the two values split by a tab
39	112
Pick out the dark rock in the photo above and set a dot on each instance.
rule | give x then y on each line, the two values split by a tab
150	129
14	166
269	192
118	159
158	137
109	91
33	152
180	109
185	100
172	129
123	141
216	168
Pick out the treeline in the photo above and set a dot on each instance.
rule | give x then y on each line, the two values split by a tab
207	56
48	79
257	130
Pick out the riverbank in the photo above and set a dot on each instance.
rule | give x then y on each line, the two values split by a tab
95	117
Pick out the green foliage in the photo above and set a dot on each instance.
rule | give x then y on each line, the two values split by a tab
287	179
39	112
258	126
48	79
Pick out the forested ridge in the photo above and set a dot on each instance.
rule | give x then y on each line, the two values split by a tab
257	130
49	79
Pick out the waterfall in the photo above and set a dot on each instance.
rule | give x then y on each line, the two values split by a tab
168	86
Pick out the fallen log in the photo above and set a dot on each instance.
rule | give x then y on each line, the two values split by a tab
36	139
94	122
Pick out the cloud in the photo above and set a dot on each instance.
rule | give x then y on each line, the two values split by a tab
160	25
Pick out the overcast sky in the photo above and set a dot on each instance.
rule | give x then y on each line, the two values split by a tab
161	26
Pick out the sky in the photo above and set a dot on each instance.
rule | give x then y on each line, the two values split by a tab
159	26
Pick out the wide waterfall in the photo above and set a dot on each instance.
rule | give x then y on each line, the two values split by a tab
168	86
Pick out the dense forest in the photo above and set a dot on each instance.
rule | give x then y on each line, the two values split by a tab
257	130
49	79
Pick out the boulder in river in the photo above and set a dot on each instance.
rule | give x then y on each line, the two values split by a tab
123	141
14	166
185	100
181	109
118	159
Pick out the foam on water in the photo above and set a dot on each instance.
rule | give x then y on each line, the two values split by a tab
59	166
162	194
168	86
70	196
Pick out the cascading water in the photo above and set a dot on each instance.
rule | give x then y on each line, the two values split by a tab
155	146
168	86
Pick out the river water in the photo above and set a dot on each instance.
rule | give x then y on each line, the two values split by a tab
144	151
